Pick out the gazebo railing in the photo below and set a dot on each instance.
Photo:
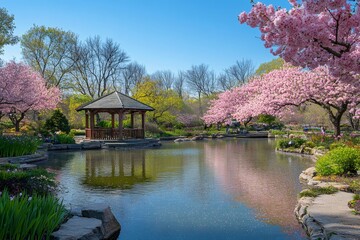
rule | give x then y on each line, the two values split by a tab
114	133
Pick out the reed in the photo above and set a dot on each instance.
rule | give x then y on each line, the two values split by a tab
13	146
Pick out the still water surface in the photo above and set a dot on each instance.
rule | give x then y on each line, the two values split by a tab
220	189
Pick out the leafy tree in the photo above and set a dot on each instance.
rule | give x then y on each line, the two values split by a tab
7	27
76	119
22	90
48	51
57	122
269	66
266	118
165	102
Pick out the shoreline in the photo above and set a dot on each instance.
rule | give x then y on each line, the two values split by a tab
327	216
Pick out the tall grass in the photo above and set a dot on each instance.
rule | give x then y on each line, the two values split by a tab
13	146
25	217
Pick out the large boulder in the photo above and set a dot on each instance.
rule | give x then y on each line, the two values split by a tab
80	228
111	227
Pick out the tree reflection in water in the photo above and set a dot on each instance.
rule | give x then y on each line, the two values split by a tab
267	183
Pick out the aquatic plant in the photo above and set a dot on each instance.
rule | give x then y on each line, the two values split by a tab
29	217
13	146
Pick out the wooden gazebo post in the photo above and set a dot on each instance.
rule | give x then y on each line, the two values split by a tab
132	120
92	124
143	124
120	125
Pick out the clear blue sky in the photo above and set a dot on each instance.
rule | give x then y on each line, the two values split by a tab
160	34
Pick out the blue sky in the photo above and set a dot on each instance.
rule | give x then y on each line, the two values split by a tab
160	34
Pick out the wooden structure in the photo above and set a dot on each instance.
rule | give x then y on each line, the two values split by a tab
118	104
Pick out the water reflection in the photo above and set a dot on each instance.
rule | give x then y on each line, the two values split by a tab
252	173
223	189
119	169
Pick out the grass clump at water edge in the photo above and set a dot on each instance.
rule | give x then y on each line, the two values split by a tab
314	192
29	217
13	146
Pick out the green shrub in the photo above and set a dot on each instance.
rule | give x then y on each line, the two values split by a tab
65	138
310	144
277	132
321	140
314	192
287	143
104	124
339	161
34	181
57	122
77	132
13	146
25	217
337	145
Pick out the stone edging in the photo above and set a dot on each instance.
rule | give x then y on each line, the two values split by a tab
40	156
312	227
80	146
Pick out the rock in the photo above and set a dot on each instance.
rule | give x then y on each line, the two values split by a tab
182	140
310	172
91	145
79	228
197	138
110	225
307	175
312	182
27	166
74	146
339	186
55	147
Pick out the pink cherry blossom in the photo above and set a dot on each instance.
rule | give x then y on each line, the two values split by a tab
311	34
22	89
274	93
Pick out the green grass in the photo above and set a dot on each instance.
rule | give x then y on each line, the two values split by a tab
314	192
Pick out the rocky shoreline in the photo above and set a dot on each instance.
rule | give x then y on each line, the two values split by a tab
92	222
327	216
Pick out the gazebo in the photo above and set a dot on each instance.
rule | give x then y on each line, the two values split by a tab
114	103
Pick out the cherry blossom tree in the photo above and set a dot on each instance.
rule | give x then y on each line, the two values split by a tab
228	103
312	33
274	93
21	90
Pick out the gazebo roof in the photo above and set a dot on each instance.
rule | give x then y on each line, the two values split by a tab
115	100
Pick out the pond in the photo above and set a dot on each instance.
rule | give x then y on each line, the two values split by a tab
215	189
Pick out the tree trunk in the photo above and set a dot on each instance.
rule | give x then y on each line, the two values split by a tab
354	123
336	118
246	122
17	126
337	128
200	107
16	121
